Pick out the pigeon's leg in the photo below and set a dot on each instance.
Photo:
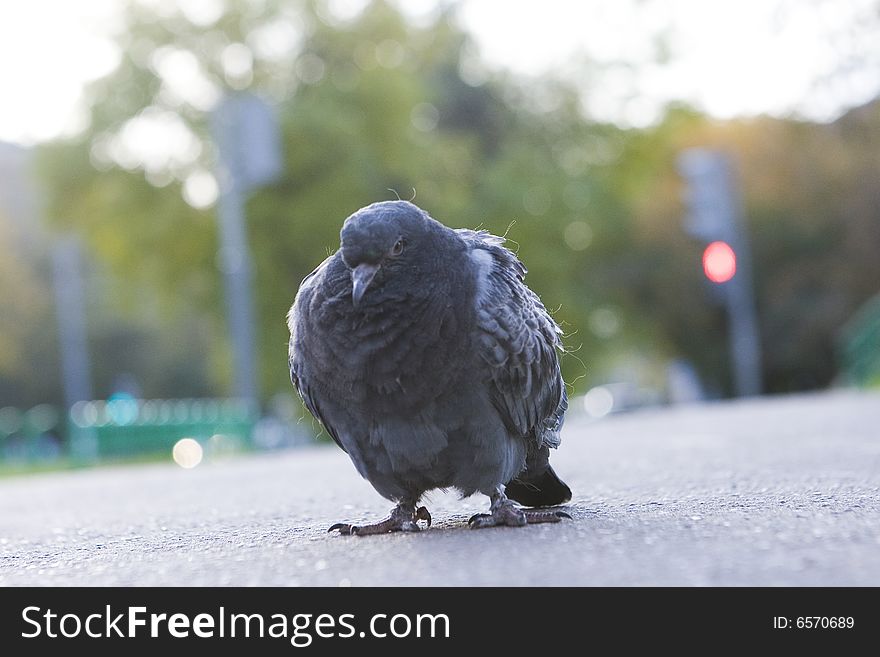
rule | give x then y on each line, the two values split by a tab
404	518
505	512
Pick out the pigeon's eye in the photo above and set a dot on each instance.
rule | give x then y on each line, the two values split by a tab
397	249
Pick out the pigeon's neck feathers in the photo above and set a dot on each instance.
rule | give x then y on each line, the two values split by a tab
483	262
487	252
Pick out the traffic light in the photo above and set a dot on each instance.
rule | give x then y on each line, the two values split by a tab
715	217
719	262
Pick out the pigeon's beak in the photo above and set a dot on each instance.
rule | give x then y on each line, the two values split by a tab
361	276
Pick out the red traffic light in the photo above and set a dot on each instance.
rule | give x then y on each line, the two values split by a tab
719	262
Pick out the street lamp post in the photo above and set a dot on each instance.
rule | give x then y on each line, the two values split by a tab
248	144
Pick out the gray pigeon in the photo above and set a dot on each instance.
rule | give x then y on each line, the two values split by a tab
427	359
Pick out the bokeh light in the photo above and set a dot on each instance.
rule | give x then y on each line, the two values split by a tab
425	117
598	402
200	189
604	322
122	409
187	453
578	235
42	418
10	420
84	414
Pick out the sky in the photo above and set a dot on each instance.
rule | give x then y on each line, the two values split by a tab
808	58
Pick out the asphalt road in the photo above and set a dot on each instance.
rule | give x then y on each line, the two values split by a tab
781	491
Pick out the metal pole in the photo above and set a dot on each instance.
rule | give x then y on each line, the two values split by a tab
745	345
745	350
248	145
236	264
70	314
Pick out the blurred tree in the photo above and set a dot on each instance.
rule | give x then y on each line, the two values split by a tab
813	214
370	107
27	323
374	105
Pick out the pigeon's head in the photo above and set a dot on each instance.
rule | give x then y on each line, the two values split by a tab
383	240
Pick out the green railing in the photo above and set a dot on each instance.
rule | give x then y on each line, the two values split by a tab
125	427
859	346
30	435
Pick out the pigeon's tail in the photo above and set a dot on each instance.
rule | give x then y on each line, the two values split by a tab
545	489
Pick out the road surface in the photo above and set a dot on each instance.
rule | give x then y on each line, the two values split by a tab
775	491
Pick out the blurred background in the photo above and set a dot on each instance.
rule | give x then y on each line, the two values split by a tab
694	187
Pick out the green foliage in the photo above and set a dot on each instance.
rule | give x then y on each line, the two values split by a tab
811	204
376	106
27	322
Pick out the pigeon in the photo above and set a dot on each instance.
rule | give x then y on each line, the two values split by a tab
425	357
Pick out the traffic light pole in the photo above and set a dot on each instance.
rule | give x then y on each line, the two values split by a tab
745	349
716	213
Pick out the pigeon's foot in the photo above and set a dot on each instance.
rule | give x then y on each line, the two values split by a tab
404	518
503	512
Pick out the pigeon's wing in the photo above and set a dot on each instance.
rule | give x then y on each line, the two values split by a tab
518	341
296	319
